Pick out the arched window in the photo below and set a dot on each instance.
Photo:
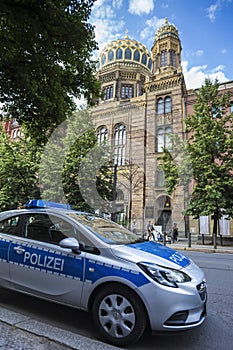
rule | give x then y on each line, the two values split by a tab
136	56
144	59
164	202
164	58
103	59
168	104
110	55
160	106
119	54
128	54
119	144
102	134
150	63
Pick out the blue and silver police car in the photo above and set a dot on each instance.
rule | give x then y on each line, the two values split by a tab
85	261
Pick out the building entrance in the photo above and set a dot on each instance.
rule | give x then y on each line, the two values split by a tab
164	217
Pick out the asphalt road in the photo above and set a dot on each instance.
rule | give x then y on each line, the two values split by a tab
63	328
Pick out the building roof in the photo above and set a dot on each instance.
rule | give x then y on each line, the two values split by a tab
124	51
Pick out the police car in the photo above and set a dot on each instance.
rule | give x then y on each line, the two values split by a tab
81	260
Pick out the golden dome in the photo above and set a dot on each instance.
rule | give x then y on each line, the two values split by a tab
167	29
124	51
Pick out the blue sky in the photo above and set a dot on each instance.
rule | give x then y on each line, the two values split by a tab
205	30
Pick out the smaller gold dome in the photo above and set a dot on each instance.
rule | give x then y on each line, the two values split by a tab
167	29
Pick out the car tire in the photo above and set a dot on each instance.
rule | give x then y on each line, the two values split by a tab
119	315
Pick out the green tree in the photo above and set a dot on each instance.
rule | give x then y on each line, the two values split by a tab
18	171
208	154
45	61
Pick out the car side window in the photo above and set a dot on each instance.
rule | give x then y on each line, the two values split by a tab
11	226
46	228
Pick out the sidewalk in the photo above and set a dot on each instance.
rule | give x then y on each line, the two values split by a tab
196	245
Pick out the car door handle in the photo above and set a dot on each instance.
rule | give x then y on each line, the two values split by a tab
19	250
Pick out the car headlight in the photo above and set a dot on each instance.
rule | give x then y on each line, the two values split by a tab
163	275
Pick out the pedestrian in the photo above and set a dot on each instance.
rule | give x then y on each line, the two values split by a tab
174	233
149	230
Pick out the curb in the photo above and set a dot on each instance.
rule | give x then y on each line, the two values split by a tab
66	338
204	249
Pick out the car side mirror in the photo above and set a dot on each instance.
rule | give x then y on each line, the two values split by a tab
70	243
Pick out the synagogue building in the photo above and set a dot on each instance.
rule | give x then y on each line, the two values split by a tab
145	101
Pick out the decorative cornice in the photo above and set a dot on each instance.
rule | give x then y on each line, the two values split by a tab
122	105
164	84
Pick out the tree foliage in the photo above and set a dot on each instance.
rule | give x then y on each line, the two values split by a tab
210	146
206	158
71	168
45	61
18	171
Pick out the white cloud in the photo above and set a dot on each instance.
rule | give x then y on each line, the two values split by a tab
107	25
211	11
151	26
218	68
224	51
117	4
139	7
98	3
199	52
195	76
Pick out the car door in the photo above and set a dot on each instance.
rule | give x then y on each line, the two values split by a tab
9	228
39	266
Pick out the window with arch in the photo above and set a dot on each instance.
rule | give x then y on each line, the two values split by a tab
119	144
119	54
128	54
144	59
110	55
103	59
164	138
160	106
164	61
102	134
164	105
150	63
164	202
136	56
168	104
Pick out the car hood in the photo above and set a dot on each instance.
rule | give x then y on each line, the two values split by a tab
152	252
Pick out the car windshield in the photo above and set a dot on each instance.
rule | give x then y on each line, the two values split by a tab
108	231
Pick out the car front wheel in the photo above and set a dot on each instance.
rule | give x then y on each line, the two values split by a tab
119	315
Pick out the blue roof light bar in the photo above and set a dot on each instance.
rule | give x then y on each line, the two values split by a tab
39	203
